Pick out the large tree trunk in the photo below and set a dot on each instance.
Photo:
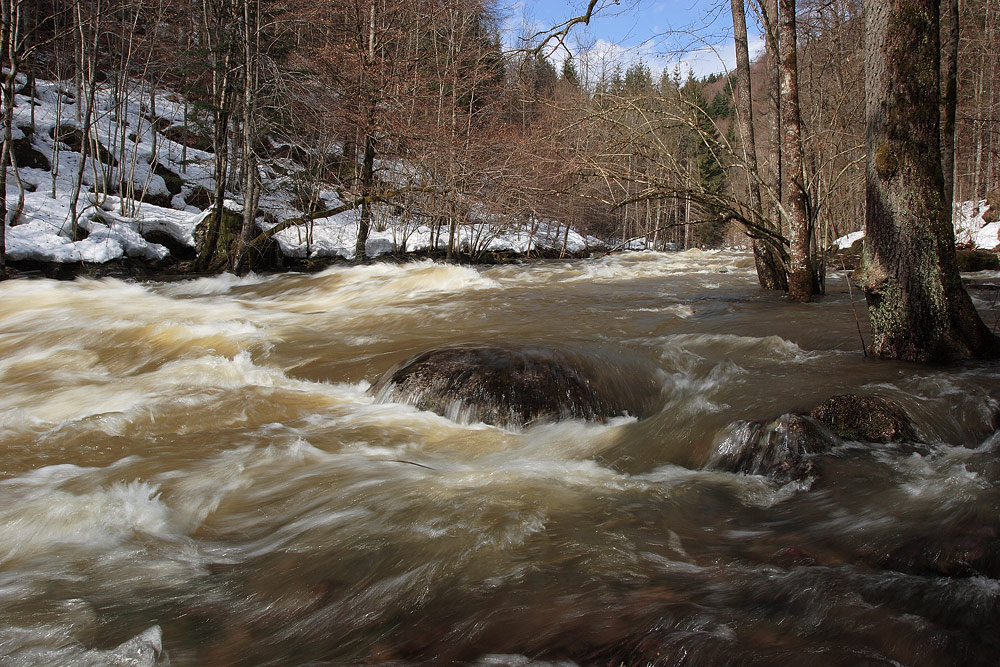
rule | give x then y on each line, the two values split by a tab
770	272
919	309
800	274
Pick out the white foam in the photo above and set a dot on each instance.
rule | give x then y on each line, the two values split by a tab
212	285
46	520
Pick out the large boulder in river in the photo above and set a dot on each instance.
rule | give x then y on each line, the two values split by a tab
513	387
865	418
781	449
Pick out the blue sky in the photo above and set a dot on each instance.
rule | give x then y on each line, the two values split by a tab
661	33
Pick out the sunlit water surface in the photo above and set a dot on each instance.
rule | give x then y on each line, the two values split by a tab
203	457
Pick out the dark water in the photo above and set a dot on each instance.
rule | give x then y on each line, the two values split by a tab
203	457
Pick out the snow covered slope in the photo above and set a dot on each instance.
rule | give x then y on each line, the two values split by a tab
143	150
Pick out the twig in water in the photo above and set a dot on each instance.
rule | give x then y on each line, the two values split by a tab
419	465
857	320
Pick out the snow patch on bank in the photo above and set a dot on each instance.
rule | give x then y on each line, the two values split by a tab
970	228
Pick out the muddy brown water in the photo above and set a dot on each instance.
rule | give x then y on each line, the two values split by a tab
204	457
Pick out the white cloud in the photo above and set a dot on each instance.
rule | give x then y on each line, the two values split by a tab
662	51
601	56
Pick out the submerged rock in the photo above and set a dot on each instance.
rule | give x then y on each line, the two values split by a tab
784	449
865	418
965	549
514	387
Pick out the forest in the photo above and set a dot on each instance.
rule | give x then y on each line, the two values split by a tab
417	115
418	109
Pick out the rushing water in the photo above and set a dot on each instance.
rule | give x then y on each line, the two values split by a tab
199	464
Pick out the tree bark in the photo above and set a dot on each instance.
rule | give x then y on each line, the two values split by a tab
770	272
800	275
8	15
251	176
367	191
949	101
220	44
919	309
368	159
770	18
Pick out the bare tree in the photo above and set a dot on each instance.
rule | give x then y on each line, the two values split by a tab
770	272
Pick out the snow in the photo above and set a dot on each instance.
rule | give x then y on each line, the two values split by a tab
845	242
116	227
970	228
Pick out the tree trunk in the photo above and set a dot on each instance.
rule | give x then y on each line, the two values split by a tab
251	177
770	273
770	16
367	190
949	102
919	309
220	45
5	159
7	44
800	275
368	160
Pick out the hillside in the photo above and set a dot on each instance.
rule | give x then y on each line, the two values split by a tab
148	189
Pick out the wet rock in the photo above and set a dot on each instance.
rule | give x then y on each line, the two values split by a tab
173	182
865	418
977	260
28	156
992	212
514	387
178	249
199	197
156	199
781	449
965	549
186	137
73	137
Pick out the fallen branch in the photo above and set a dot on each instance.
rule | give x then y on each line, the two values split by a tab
857	320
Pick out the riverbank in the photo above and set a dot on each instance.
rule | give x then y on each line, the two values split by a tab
169	270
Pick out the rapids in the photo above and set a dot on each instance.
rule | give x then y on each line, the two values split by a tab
195	473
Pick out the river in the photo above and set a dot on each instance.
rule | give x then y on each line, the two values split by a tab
193	473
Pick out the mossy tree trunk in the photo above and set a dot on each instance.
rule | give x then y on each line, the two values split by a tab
217	240
919	309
